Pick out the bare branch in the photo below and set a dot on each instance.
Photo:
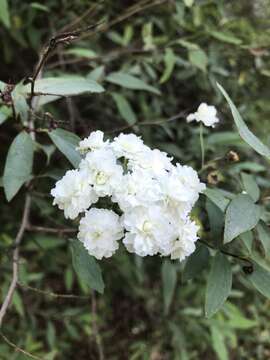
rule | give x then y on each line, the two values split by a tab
98	338
18	349
51	294
15	259
50	230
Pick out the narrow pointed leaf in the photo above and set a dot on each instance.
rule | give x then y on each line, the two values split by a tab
130	82
169	279
196	262
251	186
241	215
66	142
219	284
216	196
260	279
66	86
264	236
19	162
86	267
243	130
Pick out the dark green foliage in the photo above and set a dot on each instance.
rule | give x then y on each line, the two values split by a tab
142	75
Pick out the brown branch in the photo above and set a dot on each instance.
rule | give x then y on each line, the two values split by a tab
90	12
225	252
15	259
50	230
96	333
149	123
68	37
52	294
18	349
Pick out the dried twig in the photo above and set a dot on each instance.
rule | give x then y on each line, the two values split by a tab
67	37
18	349
50	230
52	294
96	329
160	122
15	259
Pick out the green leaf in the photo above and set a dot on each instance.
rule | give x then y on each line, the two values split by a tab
247	240
169	279
66	142
18	165
48	150
225	37
251	186
196	262
18	304
96	74
38	6
198	58
241	215
216	221
20	103
4	13
130	82
218	342
243	130
260	279
187	44
5	113
82	52
219	284
124	108
65	86
46	242
86	267
189	3
216	196
51	335
169	61
264	236
237	320
2	84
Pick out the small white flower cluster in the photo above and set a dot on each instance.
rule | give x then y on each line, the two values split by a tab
207	114
154	198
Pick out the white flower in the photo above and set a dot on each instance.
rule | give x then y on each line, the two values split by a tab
102	171
155	161
185	243
206	114
128	145
148	229
99	231
73	194
182	184
155	196
93	142
137	188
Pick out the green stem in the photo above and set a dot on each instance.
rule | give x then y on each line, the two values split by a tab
202	144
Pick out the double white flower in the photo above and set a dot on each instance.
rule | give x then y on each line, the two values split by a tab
207	114
154	198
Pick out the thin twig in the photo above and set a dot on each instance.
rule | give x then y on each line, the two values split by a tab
149	123
15	259
52	294
96	329
50	230
64	38
225	252
18	349
68	37
91	11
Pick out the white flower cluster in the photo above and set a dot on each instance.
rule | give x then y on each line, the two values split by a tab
154	198
207	114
